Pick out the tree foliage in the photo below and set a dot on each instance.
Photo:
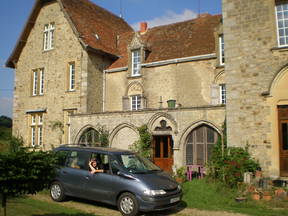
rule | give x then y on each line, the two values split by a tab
229	164
5	122
143	145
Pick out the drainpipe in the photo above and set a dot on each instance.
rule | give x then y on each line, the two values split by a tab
104	90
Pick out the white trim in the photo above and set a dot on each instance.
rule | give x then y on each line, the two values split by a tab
137	61
33	136
276	18
35	83
222	90
221	52
41	81
137	99
40	136
72	76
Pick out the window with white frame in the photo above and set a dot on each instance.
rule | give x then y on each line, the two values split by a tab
136	61
48	40
71	76
135	102
38	82
282	23
222	94
221	50
36	129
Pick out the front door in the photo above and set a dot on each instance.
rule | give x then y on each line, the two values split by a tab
163	152
283	139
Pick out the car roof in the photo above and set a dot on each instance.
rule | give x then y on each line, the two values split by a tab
104	150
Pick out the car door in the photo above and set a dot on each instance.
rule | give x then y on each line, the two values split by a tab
100	186
74	176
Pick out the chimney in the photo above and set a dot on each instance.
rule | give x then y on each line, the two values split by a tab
143	27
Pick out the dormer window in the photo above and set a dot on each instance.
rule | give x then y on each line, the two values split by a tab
136	61
221	50
48	41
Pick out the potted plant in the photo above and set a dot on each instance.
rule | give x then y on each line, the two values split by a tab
180	174
267	195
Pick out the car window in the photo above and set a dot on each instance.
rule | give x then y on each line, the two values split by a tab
78	160
102	161
61	157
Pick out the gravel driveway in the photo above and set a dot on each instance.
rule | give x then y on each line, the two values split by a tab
104	210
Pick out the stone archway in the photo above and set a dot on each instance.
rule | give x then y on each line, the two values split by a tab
278	117
89	137
123	136
199	144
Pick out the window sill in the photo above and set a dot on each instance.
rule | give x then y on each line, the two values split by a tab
220	66
70	91
48	50
37	95
280	49
134	77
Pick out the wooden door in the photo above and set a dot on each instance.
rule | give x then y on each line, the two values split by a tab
283	139
163	152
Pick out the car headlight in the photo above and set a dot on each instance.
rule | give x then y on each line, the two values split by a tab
154	192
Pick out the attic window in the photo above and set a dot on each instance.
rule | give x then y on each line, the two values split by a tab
48	40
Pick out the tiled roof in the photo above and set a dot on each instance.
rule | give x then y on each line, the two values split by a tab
97	27
184	39
107	33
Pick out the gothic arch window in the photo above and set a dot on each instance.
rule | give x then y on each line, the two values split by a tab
199	145
89	137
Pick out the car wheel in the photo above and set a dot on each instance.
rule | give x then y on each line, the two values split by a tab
128	205
57	192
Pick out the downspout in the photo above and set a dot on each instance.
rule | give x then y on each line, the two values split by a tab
104	90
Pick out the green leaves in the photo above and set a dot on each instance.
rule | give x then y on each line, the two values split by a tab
143	145
26	172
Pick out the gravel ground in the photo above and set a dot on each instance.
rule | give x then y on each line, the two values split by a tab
104	210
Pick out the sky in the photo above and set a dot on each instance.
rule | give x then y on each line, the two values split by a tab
14	13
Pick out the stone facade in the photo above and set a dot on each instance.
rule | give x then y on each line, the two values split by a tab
102	94
123	125
255	72
56	97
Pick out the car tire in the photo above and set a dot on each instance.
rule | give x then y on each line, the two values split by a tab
57	192
128	204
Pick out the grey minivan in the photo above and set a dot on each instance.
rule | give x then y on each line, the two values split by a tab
127	180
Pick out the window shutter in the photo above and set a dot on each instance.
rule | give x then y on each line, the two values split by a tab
125	103
215	94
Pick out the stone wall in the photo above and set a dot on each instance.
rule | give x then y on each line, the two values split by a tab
188	83
56	96
122	126
252	61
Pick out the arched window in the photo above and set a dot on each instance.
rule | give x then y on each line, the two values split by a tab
200	143
89	137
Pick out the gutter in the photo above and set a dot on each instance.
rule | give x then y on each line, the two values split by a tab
167	62
179	60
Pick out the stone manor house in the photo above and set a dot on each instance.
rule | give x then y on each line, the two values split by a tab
81	67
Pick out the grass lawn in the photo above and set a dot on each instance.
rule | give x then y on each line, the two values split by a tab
201	194
31	207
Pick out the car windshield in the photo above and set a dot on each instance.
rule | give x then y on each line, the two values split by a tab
136	164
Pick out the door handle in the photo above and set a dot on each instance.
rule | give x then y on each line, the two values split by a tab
87	177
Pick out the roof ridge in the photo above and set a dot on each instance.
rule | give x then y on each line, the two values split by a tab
189	20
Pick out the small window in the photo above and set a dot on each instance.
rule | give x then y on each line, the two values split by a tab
135	102
136	61
282	23
71	76
222	94
221	50
48	40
